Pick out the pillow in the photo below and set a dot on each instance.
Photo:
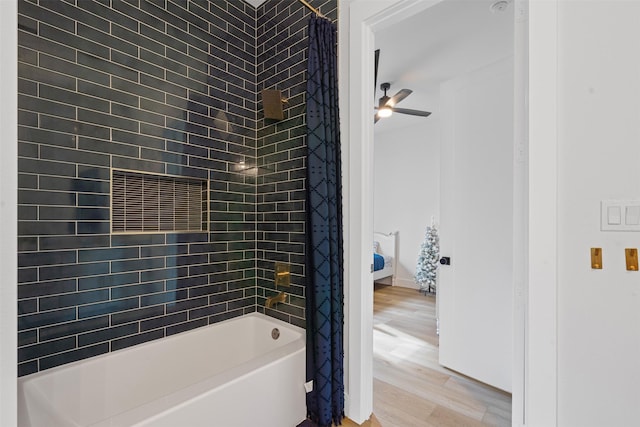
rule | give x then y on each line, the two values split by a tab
376	246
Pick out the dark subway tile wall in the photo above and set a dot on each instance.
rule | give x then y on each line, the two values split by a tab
168	87
281	49
163	86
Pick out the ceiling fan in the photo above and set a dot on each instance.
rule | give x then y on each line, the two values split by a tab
387	105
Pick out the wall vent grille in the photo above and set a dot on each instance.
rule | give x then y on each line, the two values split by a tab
146	203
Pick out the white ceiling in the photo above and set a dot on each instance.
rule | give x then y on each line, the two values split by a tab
444	41
255	3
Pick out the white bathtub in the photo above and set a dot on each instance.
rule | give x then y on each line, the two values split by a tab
231	374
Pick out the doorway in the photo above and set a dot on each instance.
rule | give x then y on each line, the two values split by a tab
359	226
454	165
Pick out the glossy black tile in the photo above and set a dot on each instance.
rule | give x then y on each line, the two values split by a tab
26	275
168	250
89	255
35	351
207	311
39	105
137	114
45	15
176	99
72	242
46	258
110	67
107	120
94	172
27	368
74	299
28	213
169	297
28	25
136	339
225	316
52	78
27	337
72	98
184	14
27	306
139	165
136	39
43	228
35	166
102	335
75	156
70	68
159	11
163	321
187	304
122	96
135	290
93	200
137	14
136	315
137	239
103	10
46	288
105	281
36	43
31	321
72	356
137	265
187	326
74	270
72	328
107	307
163	274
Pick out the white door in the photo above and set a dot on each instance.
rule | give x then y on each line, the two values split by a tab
475	290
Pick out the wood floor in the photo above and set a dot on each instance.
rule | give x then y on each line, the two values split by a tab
410	389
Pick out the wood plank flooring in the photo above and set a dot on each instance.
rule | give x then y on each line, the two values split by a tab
410	389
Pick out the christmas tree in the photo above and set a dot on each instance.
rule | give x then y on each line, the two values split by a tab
428	260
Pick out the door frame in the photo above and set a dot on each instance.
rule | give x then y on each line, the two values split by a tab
9	212
535	206
359	20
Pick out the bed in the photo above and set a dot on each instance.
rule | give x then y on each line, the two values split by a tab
384	257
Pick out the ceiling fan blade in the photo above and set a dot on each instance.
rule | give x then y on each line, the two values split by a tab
399	97
412	112
375	70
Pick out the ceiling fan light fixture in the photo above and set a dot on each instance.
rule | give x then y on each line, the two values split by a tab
385	112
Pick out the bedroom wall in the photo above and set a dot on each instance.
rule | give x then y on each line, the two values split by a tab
407	188
598	153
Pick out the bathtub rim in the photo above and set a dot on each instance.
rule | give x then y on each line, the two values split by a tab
180	396
150	343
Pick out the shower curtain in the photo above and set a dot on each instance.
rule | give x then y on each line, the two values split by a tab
324	293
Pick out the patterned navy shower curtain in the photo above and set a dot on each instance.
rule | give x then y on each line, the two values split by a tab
324	293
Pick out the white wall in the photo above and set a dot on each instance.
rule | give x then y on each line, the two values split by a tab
598	159
8	212
407	188
476	291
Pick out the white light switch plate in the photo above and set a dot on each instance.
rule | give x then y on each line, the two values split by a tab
620	215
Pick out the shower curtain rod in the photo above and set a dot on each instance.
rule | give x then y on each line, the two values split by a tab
312	9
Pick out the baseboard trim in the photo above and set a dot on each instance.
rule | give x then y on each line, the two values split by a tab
406	283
